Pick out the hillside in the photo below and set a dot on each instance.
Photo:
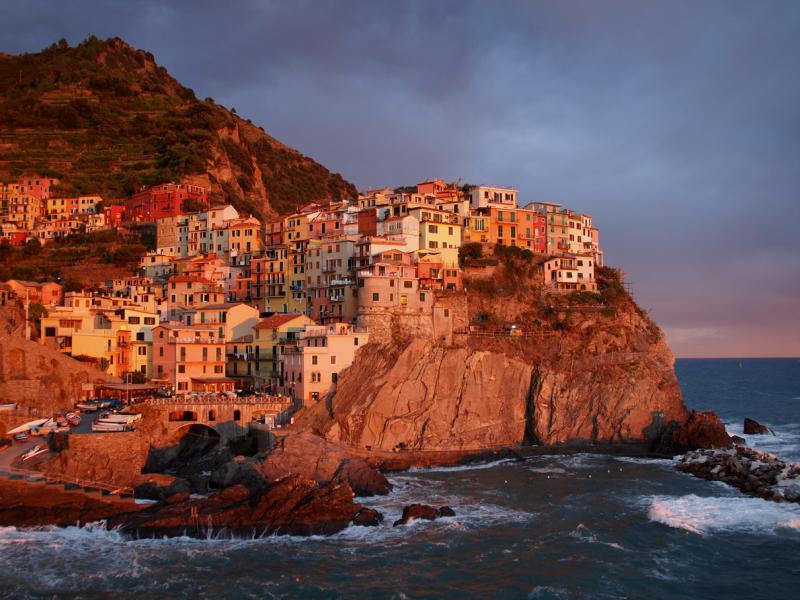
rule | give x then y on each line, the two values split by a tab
104	117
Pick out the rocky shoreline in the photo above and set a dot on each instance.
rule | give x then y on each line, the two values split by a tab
755	473
305	485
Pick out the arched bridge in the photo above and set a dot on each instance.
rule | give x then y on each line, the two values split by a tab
230	418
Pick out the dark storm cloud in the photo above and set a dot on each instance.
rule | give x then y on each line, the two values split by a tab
675	124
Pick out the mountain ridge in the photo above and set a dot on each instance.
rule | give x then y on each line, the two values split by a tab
105	118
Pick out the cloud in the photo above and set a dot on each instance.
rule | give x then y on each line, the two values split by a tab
676	124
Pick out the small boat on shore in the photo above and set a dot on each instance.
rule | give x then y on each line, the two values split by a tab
22	436
101	426
8	406
73	419
35	451
27	427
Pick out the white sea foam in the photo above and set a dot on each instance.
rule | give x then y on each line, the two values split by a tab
584	534
713	514
785	443
662	462
469	467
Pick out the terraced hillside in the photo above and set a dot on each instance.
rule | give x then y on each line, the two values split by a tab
104	117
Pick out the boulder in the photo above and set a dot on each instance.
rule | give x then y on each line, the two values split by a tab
700	430
735	439
417	511
752	427
368	517
446	511
237	472
312	457
365	480
159	486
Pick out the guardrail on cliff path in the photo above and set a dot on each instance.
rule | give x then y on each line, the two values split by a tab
85	485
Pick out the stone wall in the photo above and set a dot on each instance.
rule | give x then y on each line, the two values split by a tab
111	458
388	325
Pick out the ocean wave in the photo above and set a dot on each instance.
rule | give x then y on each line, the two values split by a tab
584	534
662	462
706	515
470	467
785	443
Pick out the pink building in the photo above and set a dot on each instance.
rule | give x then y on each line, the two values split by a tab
190	358
312	367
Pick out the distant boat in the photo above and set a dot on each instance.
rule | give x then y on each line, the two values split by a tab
8	406
86	406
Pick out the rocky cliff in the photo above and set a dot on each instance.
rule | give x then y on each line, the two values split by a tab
532	368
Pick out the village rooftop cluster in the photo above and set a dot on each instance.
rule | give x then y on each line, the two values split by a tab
227	302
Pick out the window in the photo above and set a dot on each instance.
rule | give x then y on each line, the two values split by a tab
433	229
422	297
355	341
314	359
407	284
237	415
376	296
181	368
134	320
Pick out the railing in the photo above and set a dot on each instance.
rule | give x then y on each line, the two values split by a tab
53	479
504	333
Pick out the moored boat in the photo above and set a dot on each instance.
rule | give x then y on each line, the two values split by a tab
73	419
8	406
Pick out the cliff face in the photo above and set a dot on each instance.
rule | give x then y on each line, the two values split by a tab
582	373
106	118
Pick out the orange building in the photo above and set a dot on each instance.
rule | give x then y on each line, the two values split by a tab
518	227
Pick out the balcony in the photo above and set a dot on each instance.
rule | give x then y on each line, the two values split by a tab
193	340
345	281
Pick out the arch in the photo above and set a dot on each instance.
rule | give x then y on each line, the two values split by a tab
237	415
196	434
183	415
212	415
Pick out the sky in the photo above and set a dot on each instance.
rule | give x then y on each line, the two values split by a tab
676	124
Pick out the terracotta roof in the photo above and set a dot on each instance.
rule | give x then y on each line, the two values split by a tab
277	320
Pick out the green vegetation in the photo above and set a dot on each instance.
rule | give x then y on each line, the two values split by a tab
104	118
609	282
470	251
35	262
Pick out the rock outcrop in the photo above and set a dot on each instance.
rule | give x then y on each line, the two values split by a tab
752	427
312	457
700	430
582	374
293	506
423	511
40	380
24	504
753	472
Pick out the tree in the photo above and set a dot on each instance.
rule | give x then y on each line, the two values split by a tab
469	251
35	313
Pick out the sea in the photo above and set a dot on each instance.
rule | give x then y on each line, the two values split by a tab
568	526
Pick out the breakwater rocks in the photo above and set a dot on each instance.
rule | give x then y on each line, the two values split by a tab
753	472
